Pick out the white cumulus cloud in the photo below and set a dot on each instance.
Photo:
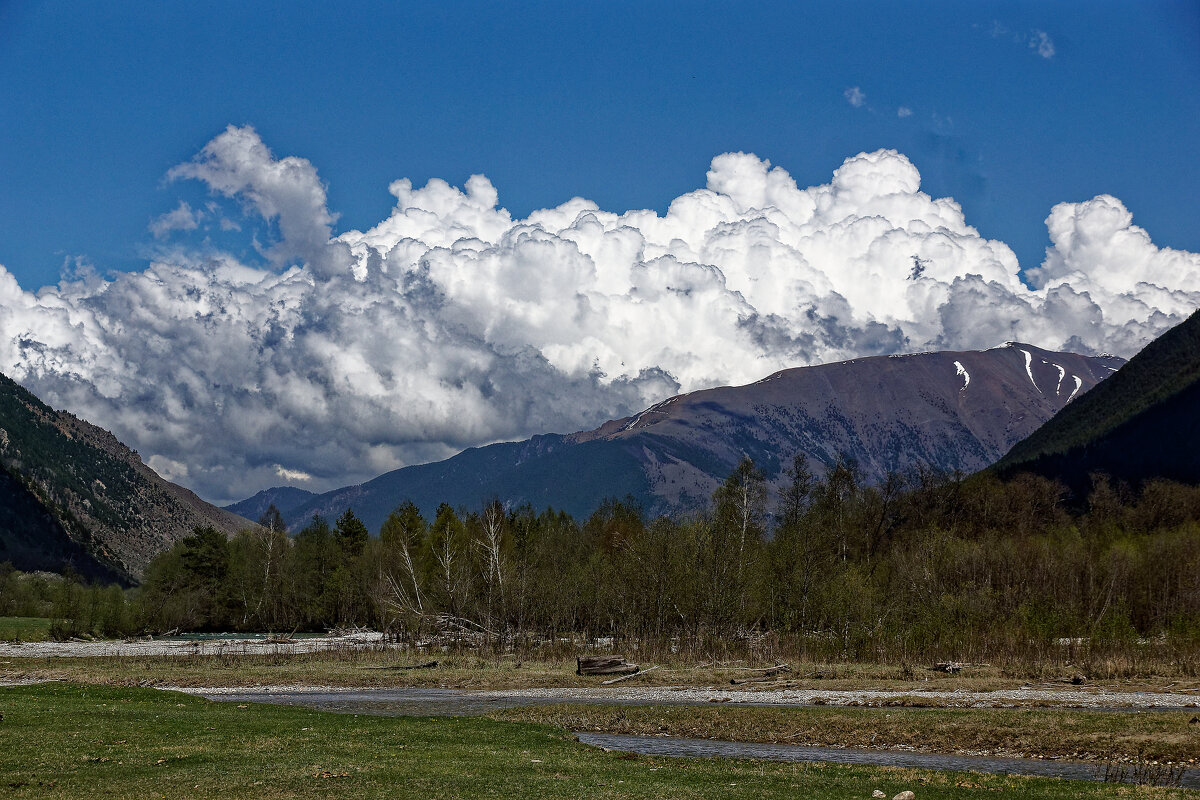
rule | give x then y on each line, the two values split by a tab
855	96
451	324
292	475
183	218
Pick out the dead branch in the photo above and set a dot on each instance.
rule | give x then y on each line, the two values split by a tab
627	677
768	674
778	667
426	665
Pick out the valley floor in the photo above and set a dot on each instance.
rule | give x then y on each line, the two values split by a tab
86	741
1131	718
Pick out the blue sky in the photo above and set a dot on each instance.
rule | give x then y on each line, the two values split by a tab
621	103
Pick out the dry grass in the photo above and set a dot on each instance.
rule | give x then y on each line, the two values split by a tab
466	670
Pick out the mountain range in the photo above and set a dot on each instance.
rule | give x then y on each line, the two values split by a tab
72	495
951	411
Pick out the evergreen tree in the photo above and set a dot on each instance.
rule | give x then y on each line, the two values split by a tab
352	534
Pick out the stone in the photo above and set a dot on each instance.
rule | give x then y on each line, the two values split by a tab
878	793
905	795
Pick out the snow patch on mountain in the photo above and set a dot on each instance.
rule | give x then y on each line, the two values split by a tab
966	376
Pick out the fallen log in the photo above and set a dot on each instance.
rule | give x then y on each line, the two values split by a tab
630	675
767	673
603	665
755	679
426	665
951	667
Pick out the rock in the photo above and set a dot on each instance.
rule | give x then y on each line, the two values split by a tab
878	793
905	795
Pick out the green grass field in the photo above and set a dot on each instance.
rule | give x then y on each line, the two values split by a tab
24	629
68	741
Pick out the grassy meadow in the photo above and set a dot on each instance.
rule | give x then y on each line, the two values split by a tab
24	629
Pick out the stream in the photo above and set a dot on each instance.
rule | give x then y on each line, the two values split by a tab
454	702
706	748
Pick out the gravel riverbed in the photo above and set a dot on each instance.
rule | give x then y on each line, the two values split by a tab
1058	698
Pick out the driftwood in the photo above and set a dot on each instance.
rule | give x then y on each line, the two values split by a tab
951	667
426	665
282	638
762	679
773	683
765	674
603	665
718	668
630	675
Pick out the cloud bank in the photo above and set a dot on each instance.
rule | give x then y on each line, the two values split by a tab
450	324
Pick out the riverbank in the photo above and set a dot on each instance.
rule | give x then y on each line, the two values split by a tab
1027	697
806	704
361	660
1166	737
1132	735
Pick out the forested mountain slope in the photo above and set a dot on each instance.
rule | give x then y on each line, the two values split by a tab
950	411
73	494
1143	423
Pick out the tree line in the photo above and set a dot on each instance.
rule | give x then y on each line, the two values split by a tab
920	565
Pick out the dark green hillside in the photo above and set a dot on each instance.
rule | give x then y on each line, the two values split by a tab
1139	424
73	494
32	538
62	469
45	476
